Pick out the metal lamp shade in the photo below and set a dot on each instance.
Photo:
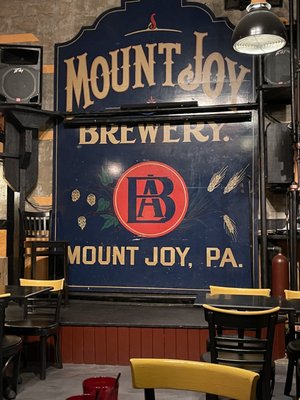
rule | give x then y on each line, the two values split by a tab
259	32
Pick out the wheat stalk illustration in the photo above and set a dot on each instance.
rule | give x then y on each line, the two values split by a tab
230	227
235	180
216	179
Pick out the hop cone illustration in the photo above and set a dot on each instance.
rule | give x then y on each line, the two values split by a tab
75	195
81	222
91	199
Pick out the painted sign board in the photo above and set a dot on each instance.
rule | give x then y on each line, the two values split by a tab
163	206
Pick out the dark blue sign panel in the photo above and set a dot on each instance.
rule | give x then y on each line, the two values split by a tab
154	206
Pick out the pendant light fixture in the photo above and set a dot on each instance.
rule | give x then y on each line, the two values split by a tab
259	31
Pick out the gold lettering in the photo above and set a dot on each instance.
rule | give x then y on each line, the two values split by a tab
188	79
101	259
118	255
74	256
124	135
167	134
212	254
124	85
132	250
88	135
182	254
100	93
148	131
89	255
235	82
75	83
115	134
228	257
116	74
154	261
107	134
144	64
168	48
216	131
188	130
167	256
207	87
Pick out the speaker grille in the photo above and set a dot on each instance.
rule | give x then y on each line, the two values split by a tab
277	67
19	84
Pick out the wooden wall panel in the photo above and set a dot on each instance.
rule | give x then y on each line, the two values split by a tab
158	341
147	343
193	344
100	345
116	345
170	343
134	342
112	346
123	345
203	339
89	354
78	345
181	344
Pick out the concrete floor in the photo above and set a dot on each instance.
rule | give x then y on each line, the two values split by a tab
63	383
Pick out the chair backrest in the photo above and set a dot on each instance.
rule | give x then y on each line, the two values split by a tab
36	224
47	305
235	345
239	291
292	294
234	383
56	284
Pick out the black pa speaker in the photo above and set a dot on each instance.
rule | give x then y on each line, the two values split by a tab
280	154
21	74
277	67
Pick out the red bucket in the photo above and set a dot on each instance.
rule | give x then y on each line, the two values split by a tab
82	397
106	387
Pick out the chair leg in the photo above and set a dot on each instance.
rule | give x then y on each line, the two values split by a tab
43	356
272	382
57	351
209	396
16	371
10	375
149	394
25	354
289	376
297	379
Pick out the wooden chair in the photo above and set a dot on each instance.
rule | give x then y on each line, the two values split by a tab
235	346
239	291
151	373
293	352
41	319
38	243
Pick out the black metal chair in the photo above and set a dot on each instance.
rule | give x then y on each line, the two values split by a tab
41	319
232	343
10	354
293	350
241	291
37	232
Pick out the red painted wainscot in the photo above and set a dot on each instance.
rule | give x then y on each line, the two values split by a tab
116	345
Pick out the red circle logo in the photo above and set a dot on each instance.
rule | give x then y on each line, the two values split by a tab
150	199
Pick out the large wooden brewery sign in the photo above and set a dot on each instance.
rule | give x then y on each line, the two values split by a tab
154	206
